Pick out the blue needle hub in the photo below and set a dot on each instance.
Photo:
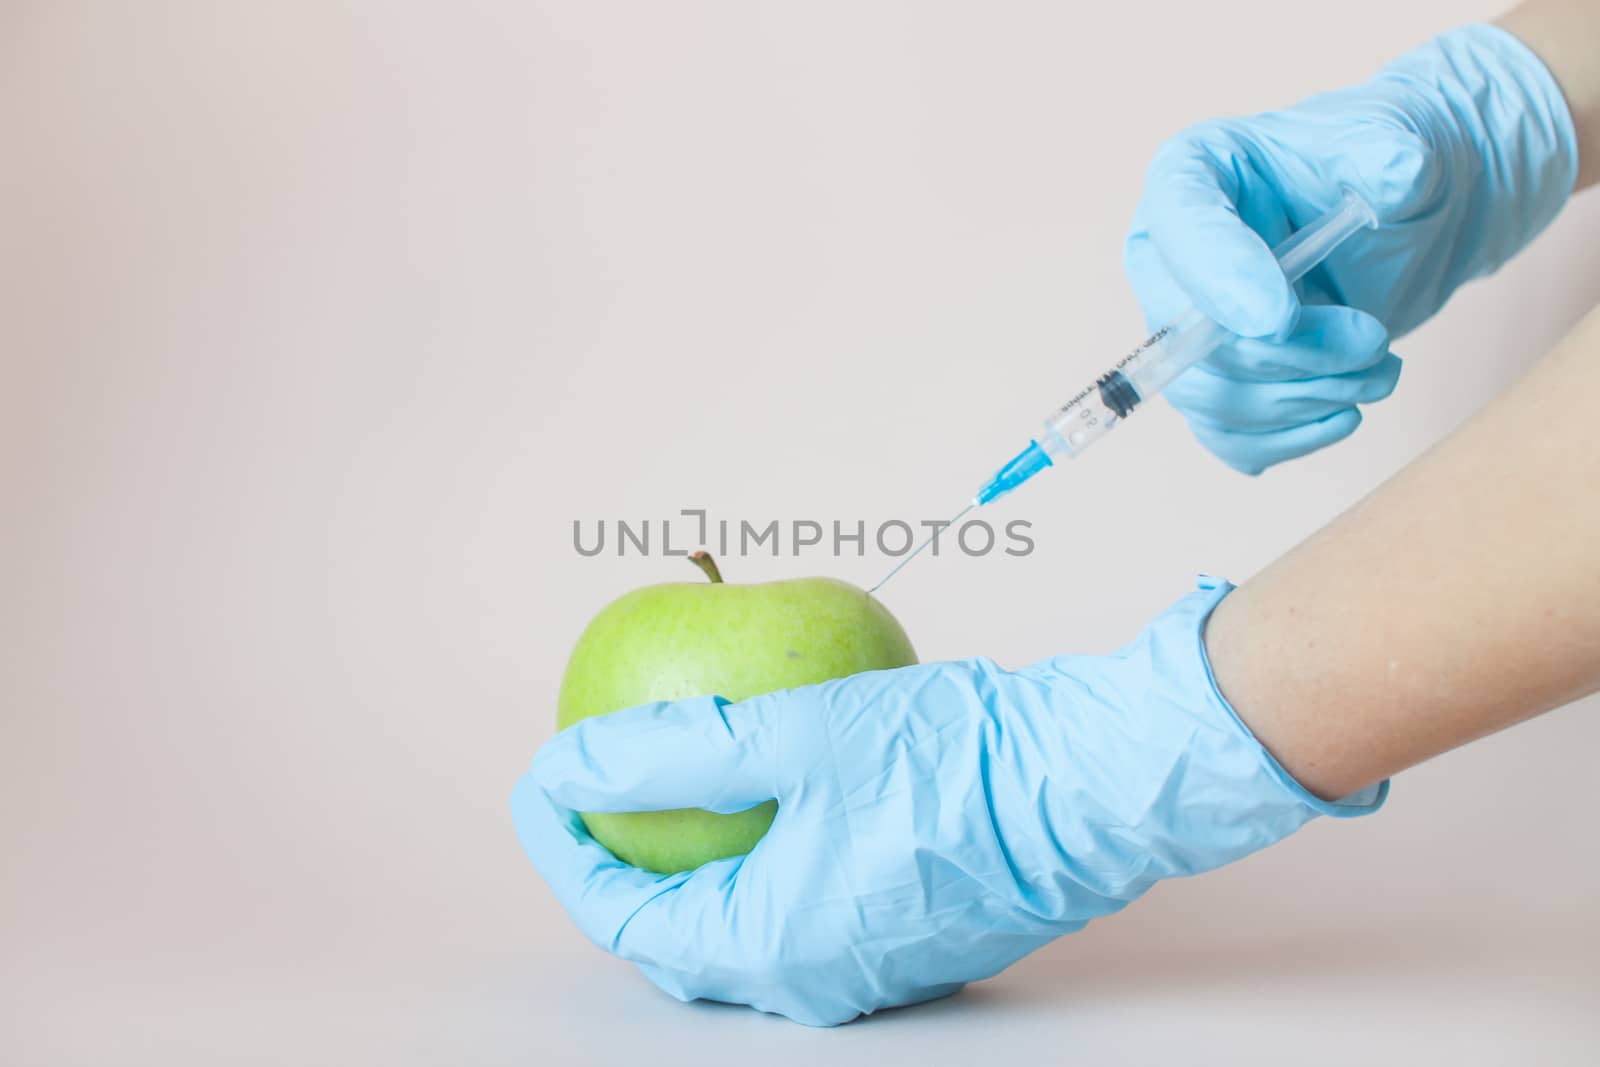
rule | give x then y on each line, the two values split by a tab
1024	465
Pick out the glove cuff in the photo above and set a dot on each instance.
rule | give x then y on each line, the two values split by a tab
1222	795
1146	769
1362	802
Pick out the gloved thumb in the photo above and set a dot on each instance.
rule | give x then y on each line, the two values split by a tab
1194	210
700	753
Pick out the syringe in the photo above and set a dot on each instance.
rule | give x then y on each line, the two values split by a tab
1144	372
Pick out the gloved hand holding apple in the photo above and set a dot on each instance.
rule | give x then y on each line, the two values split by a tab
686	639
924	826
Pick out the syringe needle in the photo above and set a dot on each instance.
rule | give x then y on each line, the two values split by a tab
914	552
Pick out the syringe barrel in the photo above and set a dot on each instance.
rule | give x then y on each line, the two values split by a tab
1308	246
1174	350
1079	423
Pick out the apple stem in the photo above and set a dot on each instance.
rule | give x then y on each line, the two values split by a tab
703	560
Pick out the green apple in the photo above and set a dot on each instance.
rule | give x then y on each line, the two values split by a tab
689	639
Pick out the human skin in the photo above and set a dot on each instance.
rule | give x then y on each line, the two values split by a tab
1462	596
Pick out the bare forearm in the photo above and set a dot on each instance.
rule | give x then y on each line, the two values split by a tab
1461	597
1566	35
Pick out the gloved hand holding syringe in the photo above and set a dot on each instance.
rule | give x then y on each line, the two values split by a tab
1148	369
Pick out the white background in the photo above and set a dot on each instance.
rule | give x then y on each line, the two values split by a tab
321	323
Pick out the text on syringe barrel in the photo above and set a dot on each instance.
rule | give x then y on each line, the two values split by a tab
1079	423
1092	413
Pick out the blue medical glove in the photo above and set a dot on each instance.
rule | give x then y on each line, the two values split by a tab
935	823
1465	149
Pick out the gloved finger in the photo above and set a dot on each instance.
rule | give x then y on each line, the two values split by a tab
680	922
1259	407
1252	453
1197	189
1327	340
817	1003
699	753
599	891
819	1006
689	926
1160	298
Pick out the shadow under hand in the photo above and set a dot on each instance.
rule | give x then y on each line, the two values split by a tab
1120	958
